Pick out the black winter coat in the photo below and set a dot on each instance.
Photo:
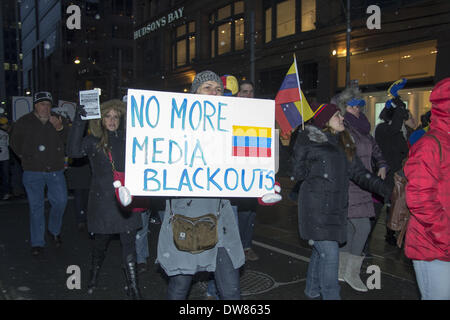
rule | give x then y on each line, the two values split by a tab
105	216
393	145
324	171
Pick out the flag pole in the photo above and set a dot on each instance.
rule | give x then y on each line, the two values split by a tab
299	92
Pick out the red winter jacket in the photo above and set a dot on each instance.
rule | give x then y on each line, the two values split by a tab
428	188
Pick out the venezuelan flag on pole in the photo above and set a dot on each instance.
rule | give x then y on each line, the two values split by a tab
291	107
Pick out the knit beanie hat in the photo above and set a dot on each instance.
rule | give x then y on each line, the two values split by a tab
323	114
230	85
203	77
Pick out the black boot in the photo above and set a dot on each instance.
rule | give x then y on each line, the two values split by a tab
131	279
98	256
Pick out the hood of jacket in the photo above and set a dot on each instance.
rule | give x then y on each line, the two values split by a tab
95	126
440	108
315	134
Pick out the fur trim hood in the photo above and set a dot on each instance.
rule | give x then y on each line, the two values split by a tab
347	95
95	126
315	134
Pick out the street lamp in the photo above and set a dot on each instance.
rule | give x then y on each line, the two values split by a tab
76	61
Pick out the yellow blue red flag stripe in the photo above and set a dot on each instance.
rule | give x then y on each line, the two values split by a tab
289	108
252	141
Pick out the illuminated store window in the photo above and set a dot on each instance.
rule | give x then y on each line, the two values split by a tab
268	25
414	61
227	29
284	17
308	15
183	49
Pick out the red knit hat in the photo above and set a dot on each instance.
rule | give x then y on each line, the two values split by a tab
323	114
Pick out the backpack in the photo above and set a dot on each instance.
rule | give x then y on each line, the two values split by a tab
399	213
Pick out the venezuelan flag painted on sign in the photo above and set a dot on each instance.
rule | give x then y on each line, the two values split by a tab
252	142
290	109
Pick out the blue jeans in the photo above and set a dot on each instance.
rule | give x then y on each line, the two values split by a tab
246	222
227	280
212	287
433	278
142	238
322	276
34	183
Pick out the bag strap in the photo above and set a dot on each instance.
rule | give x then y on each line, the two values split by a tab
439	144
112	161
218	208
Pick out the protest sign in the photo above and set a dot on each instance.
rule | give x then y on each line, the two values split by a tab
91	102
21	106
199	145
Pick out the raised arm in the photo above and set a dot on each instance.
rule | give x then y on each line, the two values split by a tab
75	143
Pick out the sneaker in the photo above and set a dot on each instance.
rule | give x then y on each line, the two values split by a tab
250	255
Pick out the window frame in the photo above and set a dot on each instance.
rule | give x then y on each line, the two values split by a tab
215	24
186	37
272	4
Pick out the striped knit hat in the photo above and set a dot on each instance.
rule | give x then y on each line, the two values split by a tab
323	114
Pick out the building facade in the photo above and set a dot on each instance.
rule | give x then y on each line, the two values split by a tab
10	80
256	40
64	59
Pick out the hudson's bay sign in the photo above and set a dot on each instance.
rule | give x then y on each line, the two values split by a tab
159	23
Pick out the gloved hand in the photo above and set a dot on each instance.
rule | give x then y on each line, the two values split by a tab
82	111
396	86
398	102
270	199
122	193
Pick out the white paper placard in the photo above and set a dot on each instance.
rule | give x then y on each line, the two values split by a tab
91	102
199	145
21	106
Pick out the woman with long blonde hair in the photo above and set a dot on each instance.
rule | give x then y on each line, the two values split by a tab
105	216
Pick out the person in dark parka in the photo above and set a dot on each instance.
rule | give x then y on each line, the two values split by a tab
105	216
391	137
324	161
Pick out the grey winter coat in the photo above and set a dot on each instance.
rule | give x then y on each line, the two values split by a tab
105	216
320	164
174	261
360	203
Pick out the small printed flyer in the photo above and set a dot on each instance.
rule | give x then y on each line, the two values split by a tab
90	99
